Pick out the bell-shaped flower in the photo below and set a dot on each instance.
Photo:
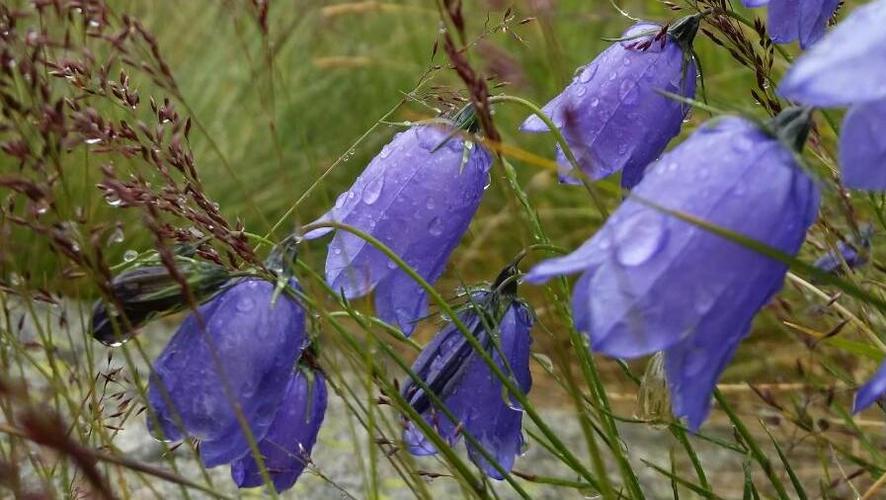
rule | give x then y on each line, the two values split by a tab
872	390
652	281
286	448
803	20
236	351
848	65
852	254
417	196
614	115
847	68
476	400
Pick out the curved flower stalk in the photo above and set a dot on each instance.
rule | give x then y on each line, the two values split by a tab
847	68
417	196
613	115
474	397
286	448
802	20
239	348
654	282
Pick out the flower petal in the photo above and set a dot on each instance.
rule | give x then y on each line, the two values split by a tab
613	114
286	448
243	354
418	197
803	20
871	391
863	146
847	66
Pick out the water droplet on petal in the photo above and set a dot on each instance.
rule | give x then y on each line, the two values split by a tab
373	190
385	151
742	144
130	255
245	304
639	238
595	102
588	73
435	227
431	204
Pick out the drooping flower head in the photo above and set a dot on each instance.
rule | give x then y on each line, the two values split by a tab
417	196
474	397
654	282
237	349
614	115
853	254
803	20
286	447
847	68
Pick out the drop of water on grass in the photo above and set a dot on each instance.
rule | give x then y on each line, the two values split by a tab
130	255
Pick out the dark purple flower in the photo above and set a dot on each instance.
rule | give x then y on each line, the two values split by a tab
239	348
286	448
871	391
613	114
469	388
417	196
653	282
847	66
803	20
848	253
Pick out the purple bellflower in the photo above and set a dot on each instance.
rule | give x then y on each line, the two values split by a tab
847	68
238	348
613	115
417	196
466	385
872	390
286	448
654	282
853	254
803	20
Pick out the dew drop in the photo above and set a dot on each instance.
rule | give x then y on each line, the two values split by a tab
245	304
588	73
595	102
130	255
742	144
436	227
373	190
639	238
116	236
113	200
385	151
431	204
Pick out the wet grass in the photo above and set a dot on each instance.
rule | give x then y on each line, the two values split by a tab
283	117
